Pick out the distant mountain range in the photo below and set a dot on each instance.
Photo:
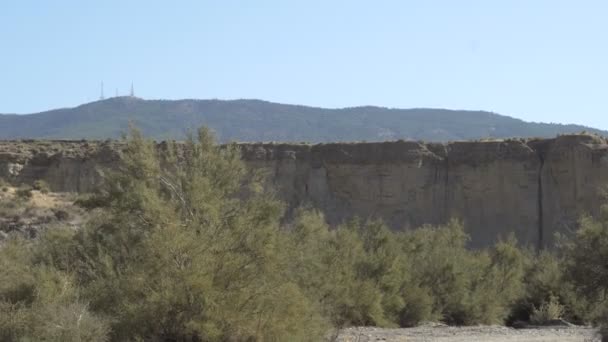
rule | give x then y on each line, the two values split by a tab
255	120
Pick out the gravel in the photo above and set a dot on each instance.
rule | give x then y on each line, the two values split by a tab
440	333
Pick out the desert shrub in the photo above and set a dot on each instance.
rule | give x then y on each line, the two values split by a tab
176	251
354	272
438	262
40	303
24	192
504	284
61	214
57	248
324	264
14	321
17	289
56	314
180	251
364	274
548	311
377	273
384	265
58	322
466	287
417	308
10	208
186	244
585	255
18	281
92	201
41	186
355	300
544	280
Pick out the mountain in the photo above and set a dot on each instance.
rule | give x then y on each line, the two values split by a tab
255	120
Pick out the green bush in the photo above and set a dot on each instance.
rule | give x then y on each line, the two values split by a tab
186	244
14	321
417	308
59	322
179	252
548	311
365	274
40	303
466	287
24	192
3	185
41	186
91	201
354	272
543	280
61	214
585	256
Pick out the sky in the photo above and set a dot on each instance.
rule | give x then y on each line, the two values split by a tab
541	60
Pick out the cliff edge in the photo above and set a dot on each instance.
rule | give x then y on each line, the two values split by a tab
531	187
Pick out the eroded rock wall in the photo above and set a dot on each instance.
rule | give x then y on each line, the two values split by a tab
532	188
572	181
67	166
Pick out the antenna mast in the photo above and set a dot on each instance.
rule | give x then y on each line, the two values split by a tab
132	90
102	97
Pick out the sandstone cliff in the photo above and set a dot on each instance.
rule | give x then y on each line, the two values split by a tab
533	188
68	166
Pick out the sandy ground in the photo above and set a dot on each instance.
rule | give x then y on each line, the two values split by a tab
472	334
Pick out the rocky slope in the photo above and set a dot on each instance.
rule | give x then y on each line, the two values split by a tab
533	188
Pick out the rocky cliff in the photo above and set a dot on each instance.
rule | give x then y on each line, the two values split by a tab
534	187
68	166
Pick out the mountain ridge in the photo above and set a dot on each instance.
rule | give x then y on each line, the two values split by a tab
259	120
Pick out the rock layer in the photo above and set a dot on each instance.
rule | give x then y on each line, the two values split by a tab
533	188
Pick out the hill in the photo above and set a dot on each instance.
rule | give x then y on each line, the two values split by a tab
255	120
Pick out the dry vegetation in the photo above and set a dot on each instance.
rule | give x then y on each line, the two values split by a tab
28	211
196	251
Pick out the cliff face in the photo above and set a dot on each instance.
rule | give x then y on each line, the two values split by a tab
533	188
491	186
71	166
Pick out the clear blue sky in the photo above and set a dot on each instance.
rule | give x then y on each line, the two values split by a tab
541	60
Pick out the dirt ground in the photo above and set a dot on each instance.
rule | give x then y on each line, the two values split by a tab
28	216
470	334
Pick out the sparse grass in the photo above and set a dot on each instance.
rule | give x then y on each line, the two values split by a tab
89	201
41	186
4	185
9	208
24	192
61	214
20	213
548	311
